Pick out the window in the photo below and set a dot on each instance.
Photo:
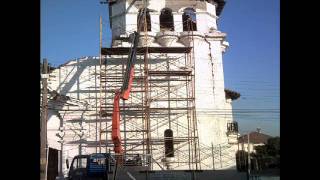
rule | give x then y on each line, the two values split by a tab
168	143
83	163
140	17
189	20
232	127
166	20
74	164
99	161
79	163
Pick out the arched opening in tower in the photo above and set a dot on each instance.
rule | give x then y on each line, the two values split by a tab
166	20
142	20
168	143
189	20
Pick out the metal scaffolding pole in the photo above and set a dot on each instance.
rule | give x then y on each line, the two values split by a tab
100	58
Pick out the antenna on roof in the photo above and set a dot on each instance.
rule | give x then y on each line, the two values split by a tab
258	130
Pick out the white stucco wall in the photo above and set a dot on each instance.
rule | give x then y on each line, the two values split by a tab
52	129
177	18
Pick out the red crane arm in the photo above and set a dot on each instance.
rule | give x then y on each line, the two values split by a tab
126	93
116	136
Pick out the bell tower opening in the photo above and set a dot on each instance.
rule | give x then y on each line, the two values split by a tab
142	20
189	20
166	20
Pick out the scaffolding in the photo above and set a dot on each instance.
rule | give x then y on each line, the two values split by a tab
162	97
167	102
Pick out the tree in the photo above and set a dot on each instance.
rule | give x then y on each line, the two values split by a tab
273	146
269	154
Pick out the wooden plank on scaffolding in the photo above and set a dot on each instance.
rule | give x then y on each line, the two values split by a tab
142	50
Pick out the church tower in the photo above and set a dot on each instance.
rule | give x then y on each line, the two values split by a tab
188	23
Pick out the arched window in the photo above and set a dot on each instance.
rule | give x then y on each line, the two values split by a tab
140	16
189	20
166	20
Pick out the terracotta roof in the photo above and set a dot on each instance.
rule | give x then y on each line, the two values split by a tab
255	138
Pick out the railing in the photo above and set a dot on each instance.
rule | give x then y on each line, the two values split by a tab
232	127
131	159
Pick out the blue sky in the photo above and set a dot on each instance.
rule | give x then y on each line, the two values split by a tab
70	29
252	63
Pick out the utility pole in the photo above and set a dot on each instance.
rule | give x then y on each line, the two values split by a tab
101	98
44	116
61	159
61	135
249	162
238	160
220	156
212	153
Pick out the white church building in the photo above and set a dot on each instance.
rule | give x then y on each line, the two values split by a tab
178	85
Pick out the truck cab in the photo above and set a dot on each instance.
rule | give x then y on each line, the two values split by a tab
91	166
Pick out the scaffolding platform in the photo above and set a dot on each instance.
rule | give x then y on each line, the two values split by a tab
142	50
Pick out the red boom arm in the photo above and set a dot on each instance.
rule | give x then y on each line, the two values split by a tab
126	93
116	138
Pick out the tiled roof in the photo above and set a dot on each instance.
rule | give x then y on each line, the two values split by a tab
255	138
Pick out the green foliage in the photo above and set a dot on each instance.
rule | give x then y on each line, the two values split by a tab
273	146
269	154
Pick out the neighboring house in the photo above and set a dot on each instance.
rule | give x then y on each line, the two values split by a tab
255	139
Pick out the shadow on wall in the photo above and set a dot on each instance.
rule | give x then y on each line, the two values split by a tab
74	79
79	67
66	85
